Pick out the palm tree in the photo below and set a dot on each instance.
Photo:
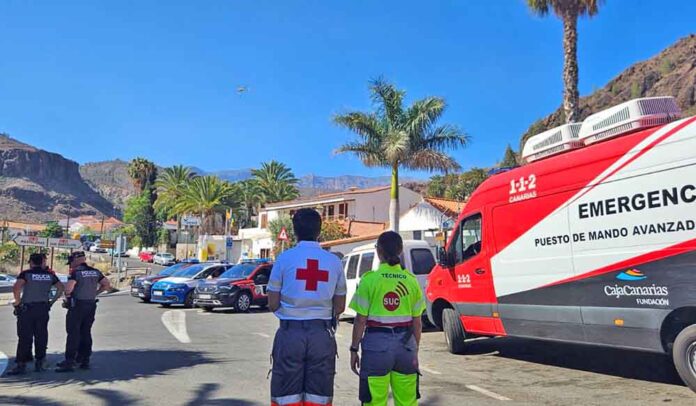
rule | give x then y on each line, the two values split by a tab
395	137
568	11
142	173
207	196
251	199
170	185
276	182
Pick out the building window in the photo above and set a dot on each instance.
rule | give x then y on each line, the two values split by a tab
332	211
418	235
343	210
265	253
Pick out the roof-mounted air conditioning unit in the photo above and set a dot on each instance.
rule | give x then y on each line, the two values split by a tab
552	142
627	117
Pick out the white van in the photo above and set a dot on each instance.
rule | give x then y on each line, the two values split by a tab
418	257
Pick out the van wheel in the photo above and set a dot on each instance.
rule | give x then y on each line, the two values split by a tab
684	355
454	331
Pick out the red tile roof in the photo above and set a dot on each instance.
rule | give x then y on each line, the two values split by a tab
449	207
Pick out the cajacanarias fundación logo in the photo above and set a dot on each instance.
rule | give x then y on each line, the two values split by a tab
653	295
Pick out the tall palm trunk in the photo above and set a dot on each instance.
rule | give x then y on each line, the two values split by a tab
570	65
394	201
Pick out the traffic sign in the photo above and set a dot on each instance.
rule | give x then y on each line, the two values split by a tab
190	221
64	243
107	244
228	242
30	241
283	236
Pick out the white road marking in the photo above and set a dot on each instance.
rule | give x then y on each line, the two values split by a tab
175	322
262	335
430	371
3	363
487	392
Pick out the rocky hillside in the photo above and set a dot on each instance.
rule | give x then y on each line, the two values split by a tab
110	179
38	186
670	73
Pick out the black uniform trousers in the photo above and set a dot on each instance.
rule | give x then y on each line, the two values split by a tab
78	324
32	328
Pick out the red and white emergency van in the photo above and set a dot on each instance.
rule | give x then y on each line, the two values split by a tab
592	241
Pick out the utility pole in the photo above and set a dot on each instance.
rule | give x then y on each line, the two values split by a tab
101	232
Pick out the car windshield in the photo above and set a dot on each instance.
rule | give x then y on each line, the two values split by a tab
166	255
174	268
239	271
188	272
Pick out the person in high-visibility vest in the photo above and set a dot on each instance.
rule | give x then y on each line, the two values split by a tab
389	304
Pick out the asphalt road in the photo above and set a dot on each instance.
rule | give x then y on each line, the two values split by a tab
147	355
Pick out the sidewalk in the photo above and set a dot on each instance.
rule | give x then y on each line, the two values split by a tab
5	298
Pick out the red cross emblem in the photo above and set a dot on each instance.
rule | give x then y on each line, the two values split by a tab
312	275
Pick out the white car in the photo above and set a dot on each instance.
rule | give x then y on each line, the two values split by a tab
418	257
7	280
164	259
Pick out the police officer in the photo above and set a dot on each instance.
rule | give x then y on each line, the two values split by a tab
307	291
32	295
84	284
389	304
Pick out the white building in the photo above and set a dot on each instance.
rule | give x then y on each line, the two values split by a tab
431	215
420	222
352	206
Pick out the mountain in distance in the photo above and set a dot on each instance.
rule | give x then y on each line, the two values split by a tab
672	72
38	186
110	179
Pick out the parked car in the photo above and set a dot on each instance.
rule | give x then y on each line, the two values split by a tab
164	259
418	257
178	288
141	287
146	256
240	287
7	280
96	247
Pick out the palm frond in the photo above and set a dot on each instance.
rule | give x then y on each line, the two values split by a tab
364	124
367	153
388	99
445	137
431	160
424	113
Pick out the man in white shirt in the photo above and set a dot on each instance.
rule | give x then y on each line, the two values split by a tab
307	291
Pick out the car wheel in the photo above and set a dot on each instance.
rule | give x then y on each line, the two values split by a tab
243	302
208	309
454	331
188	301
166	305
684	356
145	300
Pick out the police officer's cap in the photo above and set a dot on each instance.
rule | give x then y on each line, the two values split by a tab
37	257
75	255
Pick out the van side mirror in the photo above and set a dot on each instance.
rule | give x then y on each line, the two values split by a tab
444	258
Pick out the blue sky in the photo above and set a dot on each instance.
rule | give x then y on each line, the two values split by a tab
96	80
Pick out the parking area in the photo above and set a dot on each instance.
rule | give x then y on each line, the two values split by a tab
148	355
